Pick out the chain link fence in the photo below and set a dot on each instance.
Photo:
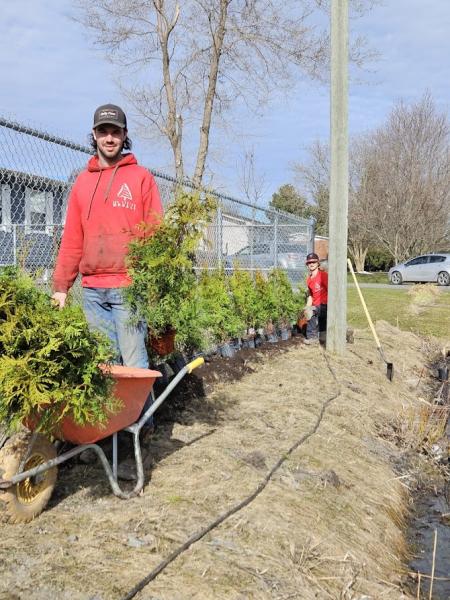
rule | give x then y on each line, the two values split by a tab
36	174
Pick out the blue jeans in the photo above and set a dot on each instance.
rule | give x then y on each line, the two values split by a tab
318	322
106	311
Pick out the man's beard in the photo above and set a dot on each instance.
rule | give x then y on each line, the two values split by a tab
107	157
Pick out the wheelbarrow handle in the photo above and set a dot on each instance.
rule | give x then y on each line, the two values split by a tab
197	362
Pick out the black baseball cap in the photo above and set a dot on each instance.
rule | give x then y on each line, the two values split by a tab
312	257
110	114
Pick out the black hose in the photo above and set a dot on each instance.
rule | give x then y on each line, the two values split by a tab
200	534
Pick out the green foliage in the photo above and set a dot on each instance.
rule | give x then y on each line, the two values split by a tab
265	301
378	260
285	300
319	210
48	360
276	301
160	262
189	325
217	311
245	297
300	297
287	198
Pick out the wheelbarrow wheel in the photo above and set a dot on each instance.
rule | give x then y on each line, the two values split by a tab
27	499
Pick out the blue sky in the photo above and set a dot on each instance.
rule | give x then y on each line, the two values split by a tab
53	79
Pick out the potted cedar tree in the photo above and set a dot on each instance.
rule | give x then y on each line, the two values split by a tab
217	313
49	361
245	301
160	262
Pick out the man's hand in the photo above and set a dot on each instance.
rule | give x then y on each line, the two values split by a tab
59	299
308	311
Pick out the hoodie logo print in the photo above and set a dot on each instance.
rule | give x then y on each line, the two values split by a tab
125	198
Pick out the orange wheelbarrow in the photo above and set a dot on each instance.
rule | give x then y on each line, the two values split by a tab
29	461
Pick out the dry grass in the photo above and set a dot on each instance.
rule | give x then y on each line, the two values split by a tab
419	429
422	297
328	525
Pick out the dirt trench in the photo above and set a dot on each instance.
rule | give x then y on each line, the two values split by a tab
329	523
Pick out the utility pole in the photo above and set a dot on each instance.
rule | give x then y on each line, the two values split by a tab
337	253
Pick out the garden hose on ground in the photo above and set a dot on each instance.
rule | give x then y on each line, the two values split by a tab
237	507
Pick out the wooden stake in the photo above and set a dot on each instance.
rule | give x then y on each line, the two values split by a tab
433	565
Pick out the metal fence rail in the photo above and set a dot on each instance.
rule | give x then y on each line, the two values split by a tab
36	174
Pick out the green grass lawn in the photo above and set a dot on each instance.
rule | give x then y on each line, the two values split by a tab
394	306
369	277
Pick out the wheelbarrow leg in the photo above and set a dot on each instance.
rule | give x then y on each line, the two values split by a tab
138	459
114	455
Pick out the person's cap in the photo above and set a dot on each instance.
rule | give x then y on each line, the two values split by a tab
110	114
312	257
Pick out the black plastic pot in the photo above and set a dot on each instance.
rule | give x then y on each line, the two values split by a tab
177	363
248	342
285	333
259	341
443	373
227	350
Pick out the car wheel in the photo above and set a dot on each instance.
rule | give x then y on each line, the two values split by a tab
396	278
443	278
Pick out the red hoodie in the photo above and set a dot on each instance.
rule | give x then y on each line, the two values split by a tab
105	206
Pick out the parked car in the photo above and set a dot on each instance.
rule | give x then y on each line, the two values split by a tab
428	267
262	257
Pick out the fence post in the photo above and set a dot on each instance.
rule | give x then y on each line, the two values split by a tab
312	235
14	229
252	238
219	236
275	241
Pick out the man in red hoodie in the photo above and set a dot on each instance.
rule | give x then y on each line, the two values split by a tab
316	304
108	201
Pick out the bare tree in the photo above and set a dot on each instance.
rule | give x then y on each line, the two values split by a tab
314	177
252	183
408	167
196	59
399	183
360	236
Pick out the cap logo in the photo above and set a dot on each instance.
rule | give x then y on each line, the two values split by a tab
109	114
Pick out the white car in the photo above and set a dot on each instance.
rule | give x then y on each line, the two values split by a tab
433	268
262	257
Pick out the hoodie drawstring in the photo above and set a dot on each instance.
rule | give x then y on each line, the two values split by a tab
108	189
93	194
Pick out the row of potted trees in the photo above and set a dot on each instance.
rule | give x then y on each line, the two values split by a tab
223	311
202	309
49	359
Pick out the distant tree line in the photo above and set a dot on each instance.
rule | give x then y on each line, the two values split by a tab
399	192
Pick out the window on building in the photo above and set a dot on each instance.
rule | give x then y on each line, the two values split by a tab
5	208
38	211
